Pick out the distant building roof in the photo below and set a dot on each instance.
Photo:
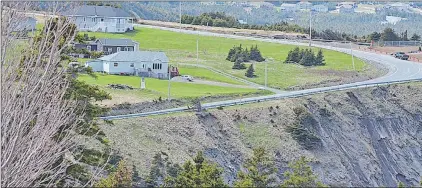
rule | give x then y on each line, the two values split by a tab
305	2
116	42
288	5
136	56
347	6
91	10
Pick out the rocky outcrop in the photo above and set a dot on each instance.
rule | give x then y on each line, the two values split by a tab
365	137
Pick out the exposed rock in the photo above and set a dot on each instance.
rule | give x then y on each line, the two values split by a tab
368	137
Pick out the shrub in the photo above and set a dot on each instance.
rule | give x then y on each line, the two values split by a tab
250	73
305	57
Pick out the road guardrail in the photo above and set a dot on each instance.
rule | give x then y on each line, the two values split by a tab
259	99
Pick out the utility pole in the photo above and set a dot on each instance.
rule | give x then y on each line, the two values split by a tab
180	15
266	62
353	58
197	50
310	27
169	73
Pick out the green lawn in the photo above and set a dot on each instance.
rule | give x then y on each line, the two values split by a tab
181	48
160	87
206	74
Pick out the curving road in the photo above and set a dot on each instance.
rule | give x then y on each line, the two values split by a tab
399	71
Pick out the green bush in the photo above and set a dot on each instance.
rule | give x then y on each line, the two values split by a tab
305	57
78	172
302	129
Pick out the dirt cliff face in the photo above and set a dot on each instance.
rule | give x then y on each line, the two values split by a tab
365	137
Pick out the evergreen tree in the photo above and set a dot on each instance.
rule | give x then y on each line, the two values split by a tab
201	173
415	37
232	51
301	175
255	54
401	185
294	56
405	36
161	169
239	64
319	60
122	177
308	58
259	171
246	55
389	35
250	73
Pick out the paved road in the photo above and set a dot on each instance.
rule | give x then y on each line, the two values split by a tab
399	70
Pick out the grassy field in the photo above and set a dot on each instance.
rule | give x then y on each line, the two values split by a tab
181	48
156	88
206	74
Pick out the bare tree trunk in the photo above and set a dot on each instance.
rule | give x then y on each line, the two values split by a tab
37	121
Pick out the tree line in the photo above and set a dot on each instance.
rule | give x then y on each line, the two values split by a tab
305	57
259	171
388	34
220	19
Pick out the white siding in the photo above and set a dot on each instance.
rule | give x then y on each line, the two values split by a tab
110	25
97	66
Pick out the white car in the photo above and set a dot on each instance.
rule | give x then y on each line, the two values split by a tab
187	77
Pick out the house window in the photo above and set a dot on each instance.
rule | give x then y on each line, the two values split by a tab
132	65
143	65
116	64
126	49
84	19
88	47
102	19
118	49
110	49
93	19
156	66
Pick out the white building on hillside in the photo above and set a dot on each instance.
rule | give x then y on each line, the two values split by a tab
320	8
141	63
101	18
304	5
289	7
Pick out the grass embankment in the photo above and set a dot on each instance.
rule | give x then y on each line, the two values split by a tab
181	48
156	88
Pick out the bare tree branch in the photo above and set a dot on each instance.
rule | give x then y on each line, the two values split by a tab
37	120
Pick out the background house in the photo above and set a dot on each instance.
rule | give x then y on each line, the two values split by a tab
26	24
320	8
141	63
289	7
107	46
101	19
346	9
304	5
110	46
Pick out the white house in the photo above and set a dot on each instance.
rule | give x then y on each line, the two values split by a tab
346	9
289	7
320	8
101	19
304	5
141	63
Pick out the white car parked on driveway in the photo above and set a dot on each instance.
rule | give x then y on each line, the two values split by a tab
187	77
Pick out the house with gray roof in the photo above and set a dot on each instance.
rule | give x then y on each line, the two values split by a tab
101	19
141	63
107	46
